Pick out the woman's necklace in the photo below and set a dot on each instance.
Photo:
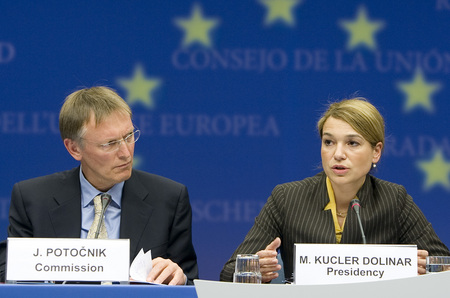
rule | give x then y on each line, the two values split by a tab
341	214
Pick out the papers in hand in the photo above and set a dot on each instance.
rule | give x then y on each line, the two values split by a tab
141	266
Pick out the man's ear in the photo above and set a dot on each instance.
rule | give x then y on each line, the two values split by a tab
73	147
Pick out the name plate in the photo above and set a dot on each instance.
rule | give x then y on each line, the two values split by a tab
350	263
67	259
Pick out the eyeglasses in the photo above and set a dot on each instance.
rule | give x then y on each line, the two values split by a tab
113	146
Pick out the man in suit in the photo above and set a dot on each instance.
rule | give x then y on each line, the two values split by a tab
152	211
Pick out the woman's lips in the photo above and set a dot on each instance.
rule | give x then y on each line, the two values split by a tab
339	169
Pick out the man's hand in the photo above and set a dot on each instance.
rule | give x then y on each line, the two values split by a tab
268	261
421	261
164	271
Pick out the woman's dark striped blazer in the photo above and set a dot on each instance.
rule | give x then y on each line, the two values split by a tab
295	213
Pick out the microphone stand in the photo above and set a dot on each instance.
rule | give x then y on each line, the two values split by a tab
105	199
355	206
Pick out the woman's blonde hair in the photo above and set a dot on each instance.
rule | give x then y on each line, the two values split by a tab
361	115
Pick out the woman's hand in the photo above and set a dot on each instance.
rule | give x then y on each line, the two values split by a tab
268	261
421	261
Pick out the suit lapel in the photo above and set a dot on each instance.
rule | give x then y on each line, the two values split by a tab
135	212
325	219
66	216
365	193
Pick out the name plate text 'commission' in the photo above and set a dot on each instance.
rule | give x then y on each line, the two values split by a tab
68	259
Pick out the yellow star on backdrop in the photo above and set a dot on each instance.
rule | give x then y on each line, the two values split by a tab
197	28
418	92
280	10
140	88
437	171
362	30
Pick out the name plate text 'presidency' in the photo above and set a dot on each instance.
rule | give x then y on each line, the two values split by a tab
68	259
349	263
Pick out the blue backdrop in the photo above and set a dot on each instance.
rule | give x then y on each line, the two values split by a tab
227	94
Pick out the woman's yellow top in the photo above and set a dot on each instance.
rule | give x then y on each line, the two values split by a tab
332	206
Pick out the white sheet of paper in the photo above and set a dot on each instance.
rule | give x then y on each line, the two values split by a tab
141	266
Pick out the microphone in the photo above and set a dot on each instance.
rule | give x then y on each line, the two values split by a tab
355	207
106	199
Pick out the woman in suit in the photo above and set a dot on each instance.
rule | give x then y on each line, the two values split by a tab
317	209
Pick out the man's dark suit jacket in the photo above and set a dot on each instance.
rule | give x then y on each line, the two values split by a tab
155	214
295	213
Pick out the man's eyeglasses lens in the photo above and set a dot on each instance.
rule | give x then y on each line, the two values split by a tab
115	145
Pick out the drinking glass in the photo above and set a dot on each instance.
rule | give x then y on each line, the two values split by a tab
438	263
247	269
